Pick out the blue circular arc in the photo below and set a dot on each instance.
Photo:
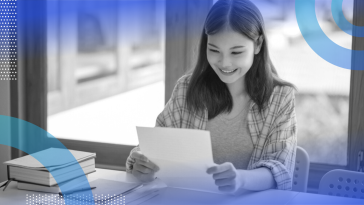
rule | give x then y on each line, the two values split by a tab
342	22
30	138
317	39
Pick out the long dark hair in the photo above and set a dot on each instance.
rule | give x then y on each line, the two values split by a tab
205	89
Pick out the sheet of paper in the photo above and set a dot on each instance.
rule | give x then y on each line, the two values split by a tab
183	156
56	161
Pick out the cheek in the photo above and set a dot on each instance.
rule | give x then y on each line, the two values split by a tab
246	60
212	59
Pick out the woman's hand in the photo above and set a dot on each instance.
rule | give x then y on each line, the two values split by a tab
227	178
143	168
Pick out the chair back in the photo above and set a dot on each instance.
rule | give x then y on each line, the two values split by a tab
339	182
302	167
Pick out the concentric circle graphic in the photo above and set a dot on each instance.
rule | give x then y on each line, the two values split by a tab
342	22
317	39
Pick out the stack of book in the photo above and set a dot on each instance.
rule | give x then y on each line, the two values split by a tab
32	175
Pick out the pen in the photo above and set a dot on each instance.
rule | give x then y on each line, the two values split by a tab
77	190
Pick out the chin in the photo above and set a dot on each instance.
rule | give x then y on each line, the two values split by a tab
228	80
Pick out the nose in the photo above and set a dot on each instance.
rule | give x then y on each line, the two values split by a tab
225	62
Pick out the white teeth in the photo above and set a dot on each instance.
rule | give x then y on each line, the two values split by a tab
226	71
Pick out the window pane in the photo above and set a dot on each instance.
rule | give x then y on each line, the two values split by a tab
146	41
109	69
145	37
322	100
96	37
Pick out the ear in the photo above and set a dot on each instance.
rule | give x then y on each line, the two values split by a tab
258	45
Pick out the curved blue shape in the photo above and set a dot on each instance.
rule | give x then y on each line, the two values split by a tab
342	22
317	39
32	140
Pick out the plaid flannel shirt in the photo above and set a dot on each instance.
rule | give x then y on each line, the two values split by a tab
273	131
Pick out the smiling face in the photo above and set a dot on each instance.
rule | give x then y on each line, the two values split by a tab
231	55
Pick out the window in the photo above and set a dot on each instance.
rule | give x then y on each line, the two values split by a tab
322	100
105	68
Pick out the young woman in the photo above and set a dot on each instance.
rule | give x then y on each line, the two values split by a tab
235	93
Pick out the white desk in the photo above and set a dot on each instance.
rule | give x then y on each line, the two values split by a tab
171	196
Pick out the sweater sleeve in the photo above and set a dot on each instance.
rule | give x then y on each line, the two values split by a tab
279	153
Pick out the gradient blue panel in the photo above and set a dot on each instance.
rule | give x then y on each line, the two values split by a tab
317	39
311	31
31	140
342	22
130	14
173	196
319	199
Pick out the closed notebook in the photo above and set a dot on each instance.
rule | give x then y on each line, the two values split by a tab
32	161
46	178
29	169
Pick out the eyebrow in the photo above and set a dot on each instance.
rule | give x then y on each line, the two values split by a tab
230	48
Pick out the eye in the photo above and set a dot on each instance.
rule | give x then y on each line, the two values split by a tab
213	50
236	53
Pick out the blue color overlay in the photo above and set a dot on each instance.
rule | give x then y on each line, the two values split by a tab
129	14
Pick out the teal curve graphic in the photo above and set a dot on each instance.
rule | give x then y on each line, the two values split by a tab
30	141
317	39
342	22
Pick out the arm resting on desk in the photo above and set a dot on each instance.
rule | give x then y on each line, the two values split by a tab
257	179
279	149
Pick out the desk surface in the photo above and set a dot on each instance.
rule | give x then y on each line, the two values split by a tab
180	196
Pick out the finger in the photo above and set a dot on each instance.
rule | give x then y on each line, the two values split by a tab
227	188
149	164
143	169
229	174
143	177
225	182
139	155
220	168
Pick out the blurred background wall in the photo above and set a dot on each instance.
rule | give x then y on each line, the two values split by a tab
4	110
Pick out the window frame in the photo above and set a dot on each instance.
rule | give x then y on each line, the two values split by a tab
356	123
29	93
64	51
